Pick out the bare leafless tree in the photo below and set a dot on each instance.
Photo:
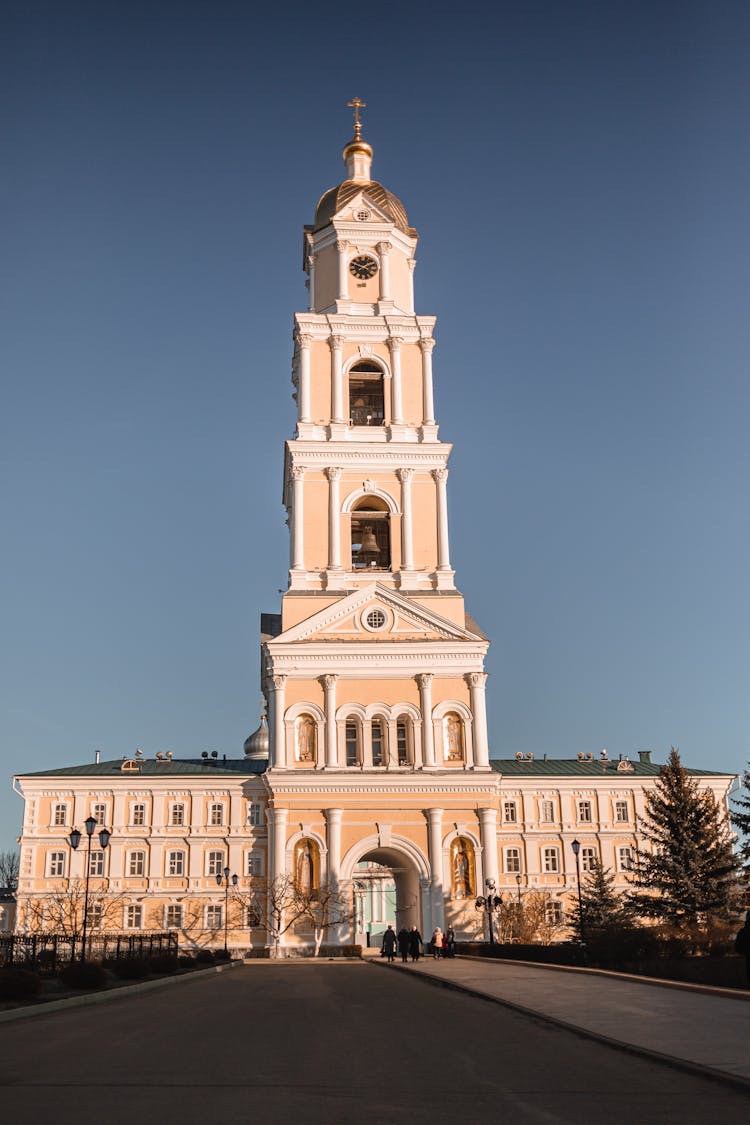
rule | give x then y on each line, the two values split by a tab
9	867
324	908
61	911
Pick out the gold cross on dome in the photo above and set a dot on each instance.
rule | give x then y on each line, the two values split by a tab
357	104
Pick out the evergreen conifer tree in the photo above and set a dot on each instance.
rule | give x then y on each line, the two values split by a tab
741	818
603	906
690	871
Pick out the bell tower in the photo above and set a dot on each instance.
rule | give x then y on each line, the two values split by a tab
375	665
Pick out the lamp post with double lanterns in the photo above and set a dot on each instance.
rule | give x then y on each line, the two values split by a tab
74	840
489	902
226	879
576	846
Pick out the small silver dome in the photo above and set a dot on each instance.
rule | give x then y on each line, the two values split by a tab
257	744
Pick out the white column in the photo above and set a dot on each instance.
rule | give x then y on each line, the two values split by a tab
311	280
435	838
440	476
298	537
477	682
333	842
407	532
488	824
329	686
337	382
277	734
394	344
428	405
425	702
334	518
342	248
385	271
304	377
411	263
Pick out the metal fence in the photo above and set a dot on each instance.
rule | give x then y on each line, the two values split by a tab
46	952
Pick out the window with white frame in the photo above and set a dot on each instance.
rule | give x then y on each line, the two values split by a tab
351	742
56	864
173	916
175	863
625	858
547	811
216	814
377	742
177	814
589	859
133	917
95	916
250	918
136	864
622	812
96	863
255	815
60	816
550	861
403	753
254	864
512	860
510	812
213	917
138	815
99	813
584	812
214	862
553	912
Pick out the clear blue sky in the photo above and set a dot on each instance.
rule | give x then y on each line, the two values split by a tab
578	173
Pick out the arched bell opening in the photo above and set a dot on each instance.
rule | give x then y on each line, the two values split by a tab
366	395
371	534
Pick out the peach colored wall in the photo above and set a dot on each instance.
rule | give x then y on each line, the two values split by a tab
424	509
411	383
380	691
316	521
299	608
320	381
363	292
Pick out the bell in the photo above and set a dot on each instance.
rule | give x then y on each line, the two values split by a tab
369	542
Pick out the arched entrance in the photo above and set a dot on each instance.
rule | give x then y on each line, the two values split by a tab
390	884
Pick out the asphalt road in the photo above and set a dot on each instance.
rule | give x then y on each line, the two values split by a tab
308	1043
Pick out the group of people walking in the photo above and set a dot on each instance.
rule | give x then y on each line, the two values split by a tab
410	945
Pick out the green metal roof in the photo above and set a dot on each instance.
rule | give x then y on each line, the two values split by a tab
591	767
151	767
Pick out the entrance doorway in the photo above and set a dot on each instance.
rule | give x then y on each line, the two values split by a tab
387	891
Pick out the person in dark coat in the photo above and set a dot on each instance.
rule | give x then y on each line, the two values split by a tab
415	941
449	943
403	943
389	944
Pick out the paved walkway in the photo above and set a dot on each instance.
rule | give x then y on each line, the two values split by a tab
704	1029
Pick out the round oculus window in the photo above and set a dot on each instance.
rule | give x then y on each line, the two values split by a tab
375	619
363	267
363	215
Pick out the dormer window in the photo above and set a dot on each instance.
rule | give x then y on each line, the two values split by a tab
371	535
366	397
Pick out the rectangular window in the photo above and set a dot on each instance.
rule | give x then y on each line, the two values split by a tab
177	815
216	815
214	863
402	742
352	747
175	863
622	812
136	864
513	860
254	864
547	811
138	815
133	917
96	864
255	815
550	861
553	913
377	742
214	919
95	915
510	812
173	917
99	813
250	918
625	859
584	812
56	864
589	859
60	816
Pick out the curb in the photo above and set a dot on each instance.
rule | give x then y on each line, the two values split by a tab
90	998
723	1076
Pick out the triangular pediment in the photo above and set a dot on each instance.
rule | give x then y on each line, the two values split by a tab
354	210
374	613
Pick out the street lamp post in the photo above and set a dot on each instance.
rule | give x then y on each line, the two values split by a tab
518	888
489	902
226	879
576	846
74	840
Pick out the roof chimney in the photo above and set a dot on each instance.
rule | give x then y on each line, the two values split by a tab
97	757
645	757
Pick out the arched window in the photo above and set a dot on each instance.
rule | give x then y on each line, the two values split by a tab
306	866
403	741
366	398
371	535
305	741
377	742
351	736
453	737
462	868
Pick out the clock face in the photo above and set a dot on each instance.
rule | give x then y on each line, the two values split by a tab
363	267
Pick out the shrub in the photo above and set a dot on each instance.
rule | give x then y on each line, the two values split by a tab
19	984
131	968
163	963
205	957
222	955
186	961
89	975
